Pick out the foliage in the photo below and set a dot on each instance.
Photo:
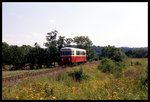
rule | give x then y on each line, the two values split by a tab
35	57
113	53
79	75
137	53
51	44
103	86
107	65
85	43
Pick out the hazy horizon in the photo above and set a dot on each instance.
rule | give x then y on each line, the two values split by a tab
116	24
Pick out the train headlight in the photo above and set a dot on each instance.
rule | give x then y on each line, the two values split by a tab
62	59
69	59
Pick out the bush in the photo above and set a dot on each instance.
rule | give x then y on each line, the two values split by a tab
113	53
78	75
119	66
107	65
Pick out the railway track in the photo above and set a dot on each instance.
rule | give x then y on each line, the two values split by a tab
35	74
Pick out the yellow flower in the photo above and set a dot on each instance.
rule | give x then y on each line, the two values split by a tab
23	89
95	87
73	88
42	92
53	98
41	98
17	97
115	92
38	94
31	95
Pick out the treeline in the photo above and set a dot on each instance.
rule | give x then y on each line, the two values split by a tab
26	56
36	57
130	52
137	53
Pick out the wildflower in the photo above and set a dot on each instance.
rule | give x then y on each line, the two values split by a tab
95	87
42	92
73	88
38	94
31	95
24	89
53	98
17	97
41	98
115	92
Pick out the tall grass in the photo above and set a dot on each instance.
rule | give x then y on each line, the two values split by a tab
100	86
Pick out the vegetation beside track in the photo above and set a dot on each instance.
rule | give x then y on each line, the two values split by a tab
99	86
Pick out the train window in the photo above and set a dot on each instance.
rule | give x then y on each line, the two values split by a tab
65	52
78	52
83	53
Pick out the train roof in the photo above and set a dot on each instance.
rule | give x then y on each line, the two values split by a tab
71	48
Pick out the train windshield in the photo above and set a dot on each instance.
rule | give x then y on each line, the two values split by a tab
67	53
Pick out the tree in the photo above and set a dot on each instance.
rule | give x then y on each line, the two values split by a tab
51	44
68	41
140	53
114	53
60	42
137	53
85	43
5	53
16	58
31	58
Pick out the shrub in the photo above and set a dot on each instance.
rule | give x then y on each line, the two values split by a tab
113	53
79	75
119	66
107	65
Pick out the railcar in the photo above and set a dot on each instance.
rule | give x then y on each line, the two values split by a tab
72	56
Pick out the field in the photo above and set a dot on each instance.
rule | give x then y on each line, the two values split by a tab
127	84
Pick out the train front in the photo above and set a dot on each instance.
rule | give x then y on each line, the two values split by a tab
66	55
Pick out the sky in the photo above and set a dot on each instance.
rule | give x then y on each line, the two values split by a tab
119	24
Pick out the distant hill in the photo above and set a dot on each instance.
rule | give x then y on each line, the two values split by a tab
132	48
98	49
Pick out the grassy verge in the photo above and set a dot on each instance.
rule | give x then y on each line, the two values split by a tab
20	72
99	86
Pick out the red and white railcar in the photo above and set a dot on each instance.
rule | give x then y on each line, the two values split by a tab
71	55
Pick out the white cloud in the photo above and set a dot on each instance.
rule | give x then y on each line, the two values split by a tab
51	21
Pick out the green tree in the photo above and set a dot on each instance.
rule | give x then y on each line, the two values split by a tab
5	54
17	56
60	42
137	53
51	44
85	43
68	42
114	53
